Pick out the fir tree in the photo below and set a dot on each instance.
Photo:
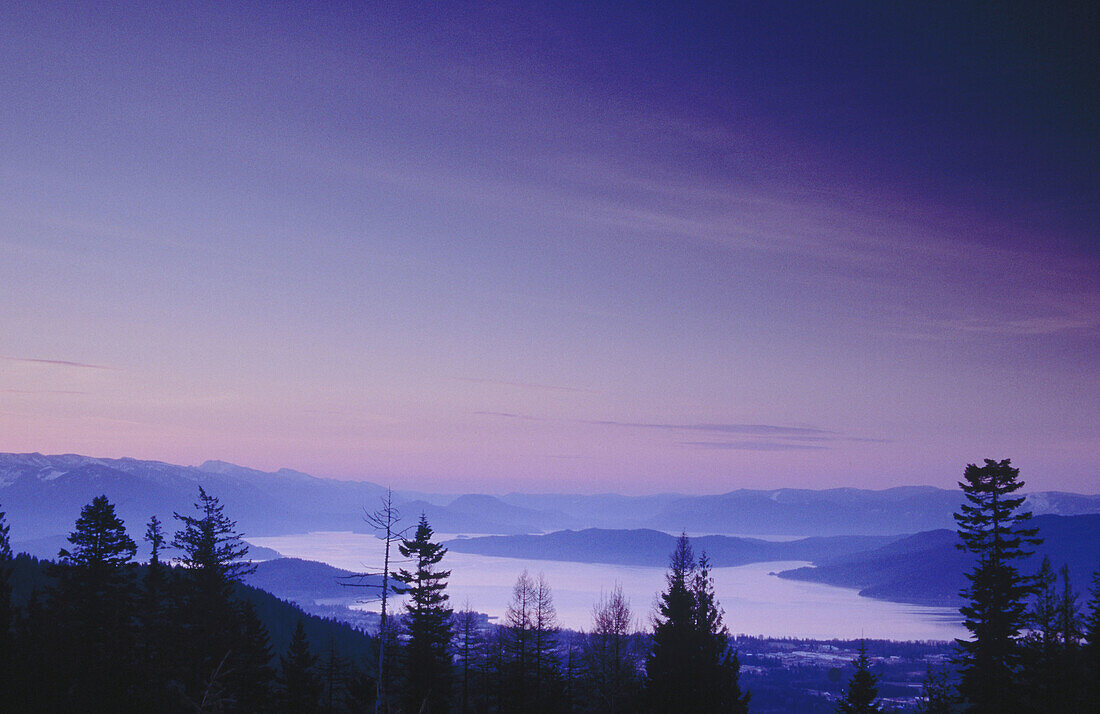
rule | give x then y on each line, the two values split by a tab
93	600
154	536
211	544
672	660
993	529
299	686
426	653
862	694
209	624
690	667
154	585
720	670
99	542
252	675
152	614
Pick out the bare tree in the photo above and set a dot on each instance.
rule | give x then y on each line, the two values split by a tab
384	520
532	646
520	622
609	661
469	648
547	665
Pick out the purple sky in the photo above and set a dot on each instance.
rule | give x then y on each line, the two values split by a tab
587	249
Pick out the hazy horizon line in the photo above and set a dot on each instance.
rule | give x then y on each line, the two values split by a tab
499	493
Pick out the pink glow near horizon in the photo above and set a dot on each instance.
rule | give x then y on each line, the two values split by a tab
432	254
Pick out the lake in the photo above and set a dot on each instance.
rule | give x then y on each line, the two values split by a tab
755	602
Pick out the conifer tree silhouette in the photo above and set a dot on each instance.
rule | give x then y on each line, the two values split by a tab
299	685
426	654
862	694
94	600
993	528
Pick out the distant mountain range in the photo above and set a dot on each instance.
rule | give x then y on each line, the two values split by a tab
650	547
787	511
928	569
43	496
925	568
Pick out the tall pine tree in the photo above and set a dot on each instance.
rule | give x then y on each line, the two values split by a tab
720	670
299	685
94	600
993	528
426	655
862	694
251	677
690	667
154	643
222	643
672	661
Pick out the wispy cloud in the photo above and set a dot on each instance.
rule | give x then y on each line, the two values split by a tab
749	429
770	437
41	391
864	439
57	363
1028	326
509	415
523	385
752	445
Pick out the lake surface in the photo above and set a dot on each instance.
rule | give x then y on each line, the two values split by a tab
756	602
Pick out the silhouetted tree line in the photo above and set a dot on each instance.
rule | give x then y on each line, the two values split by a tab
101	634
98	632
457	662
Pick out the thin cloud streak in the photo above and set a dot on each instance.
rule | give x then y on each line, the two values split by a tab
858	439
58	363
509	415
524	385
753	429
41	391
785	437
751	446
